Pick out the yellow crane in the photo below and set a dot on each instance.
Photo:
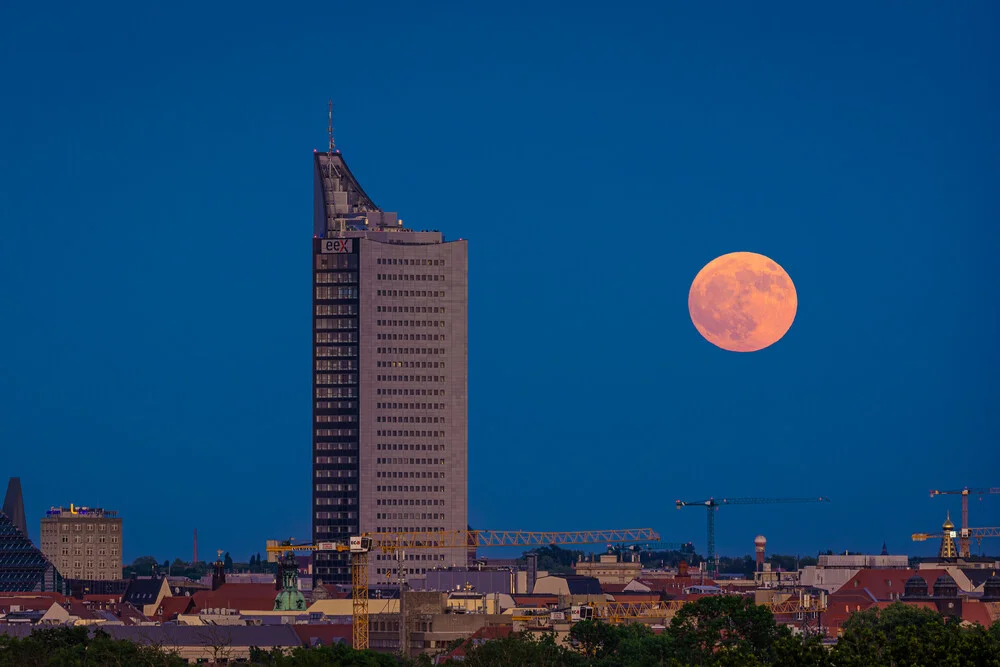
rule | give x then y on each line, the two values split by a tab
978	534
965	493
360	546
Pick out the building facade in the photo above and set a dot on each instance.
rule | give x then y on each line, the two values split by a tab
389	378
83	542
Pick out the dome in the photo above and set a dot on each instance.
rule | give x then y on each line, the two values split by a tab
289	600
945	587
760	540
915	587
991	589
948	525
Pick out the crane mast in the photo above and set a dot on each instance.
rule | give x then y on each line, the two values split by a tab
712	506
963	536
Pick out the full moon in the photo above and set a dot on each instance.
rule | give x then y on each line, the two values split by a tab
742	302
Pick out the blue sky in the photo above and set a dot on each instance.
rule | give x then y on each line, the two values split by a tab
155	201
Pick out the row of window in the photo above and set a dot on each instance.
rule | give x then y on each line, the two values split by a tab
339	309
408	448
336	378
409	350
336	487
411	434
336	323
90	527
333	530
90	552
410	489
337	261
336	405
101	564
410	378
336	392
336	364
336	292
342	460
336	515
395	460
411	529
336	447
410	502
406	474
382	336
336	473
326	419
336	337
337	432
409	515
336	501
409	392
409	323
410	293
410	262
90	539
410	406
336	351
415	277
410	309
411	420
340	277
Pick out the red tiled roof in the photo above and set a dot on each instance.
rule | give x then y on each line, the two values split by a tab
253	597
613	588
630	596
28	603
867	588
104	599
976	612
325	634
171	606
535	600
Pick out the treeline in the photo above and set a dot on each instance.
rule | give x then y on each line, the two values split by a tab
717	631
145	566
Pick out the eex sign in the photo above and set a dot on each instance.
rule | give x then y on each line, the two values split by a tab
338	246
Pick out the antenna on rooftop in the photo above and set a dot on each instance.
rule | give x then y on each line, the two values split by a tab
329	167
329	127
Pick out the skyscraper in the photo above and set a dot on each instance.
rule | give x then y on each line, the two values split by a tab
389	377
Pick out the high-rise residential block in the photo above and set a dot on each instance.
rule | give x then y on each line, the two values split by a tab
83	542
390	388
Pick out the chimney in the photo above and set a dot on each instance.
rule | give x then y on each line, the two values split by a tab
532	572
194	561
759	546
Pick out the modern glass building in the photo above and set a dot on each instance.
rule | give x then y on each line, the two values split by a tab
390	358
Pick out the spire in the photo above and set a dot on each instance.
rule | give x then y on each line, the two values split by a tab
885	549
948	549
13	505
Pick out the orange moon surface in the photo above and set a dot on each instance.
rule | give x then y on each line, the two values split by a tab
742	302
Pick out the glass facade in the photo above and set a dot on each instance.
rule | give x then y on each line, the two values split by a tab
23	568
336	410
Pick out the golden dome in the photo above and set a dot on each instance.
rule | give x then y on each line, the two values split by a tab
948	525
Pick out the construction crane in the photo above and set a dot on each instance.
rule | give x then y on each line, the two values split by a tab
713	505
978	534
963	536
393	542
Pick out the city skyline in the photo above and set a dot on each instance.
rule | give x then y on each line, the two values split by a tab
156	200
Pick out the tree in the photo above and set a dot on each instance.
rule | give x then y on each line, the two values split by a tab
143	565
904	635
724	626
228	562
